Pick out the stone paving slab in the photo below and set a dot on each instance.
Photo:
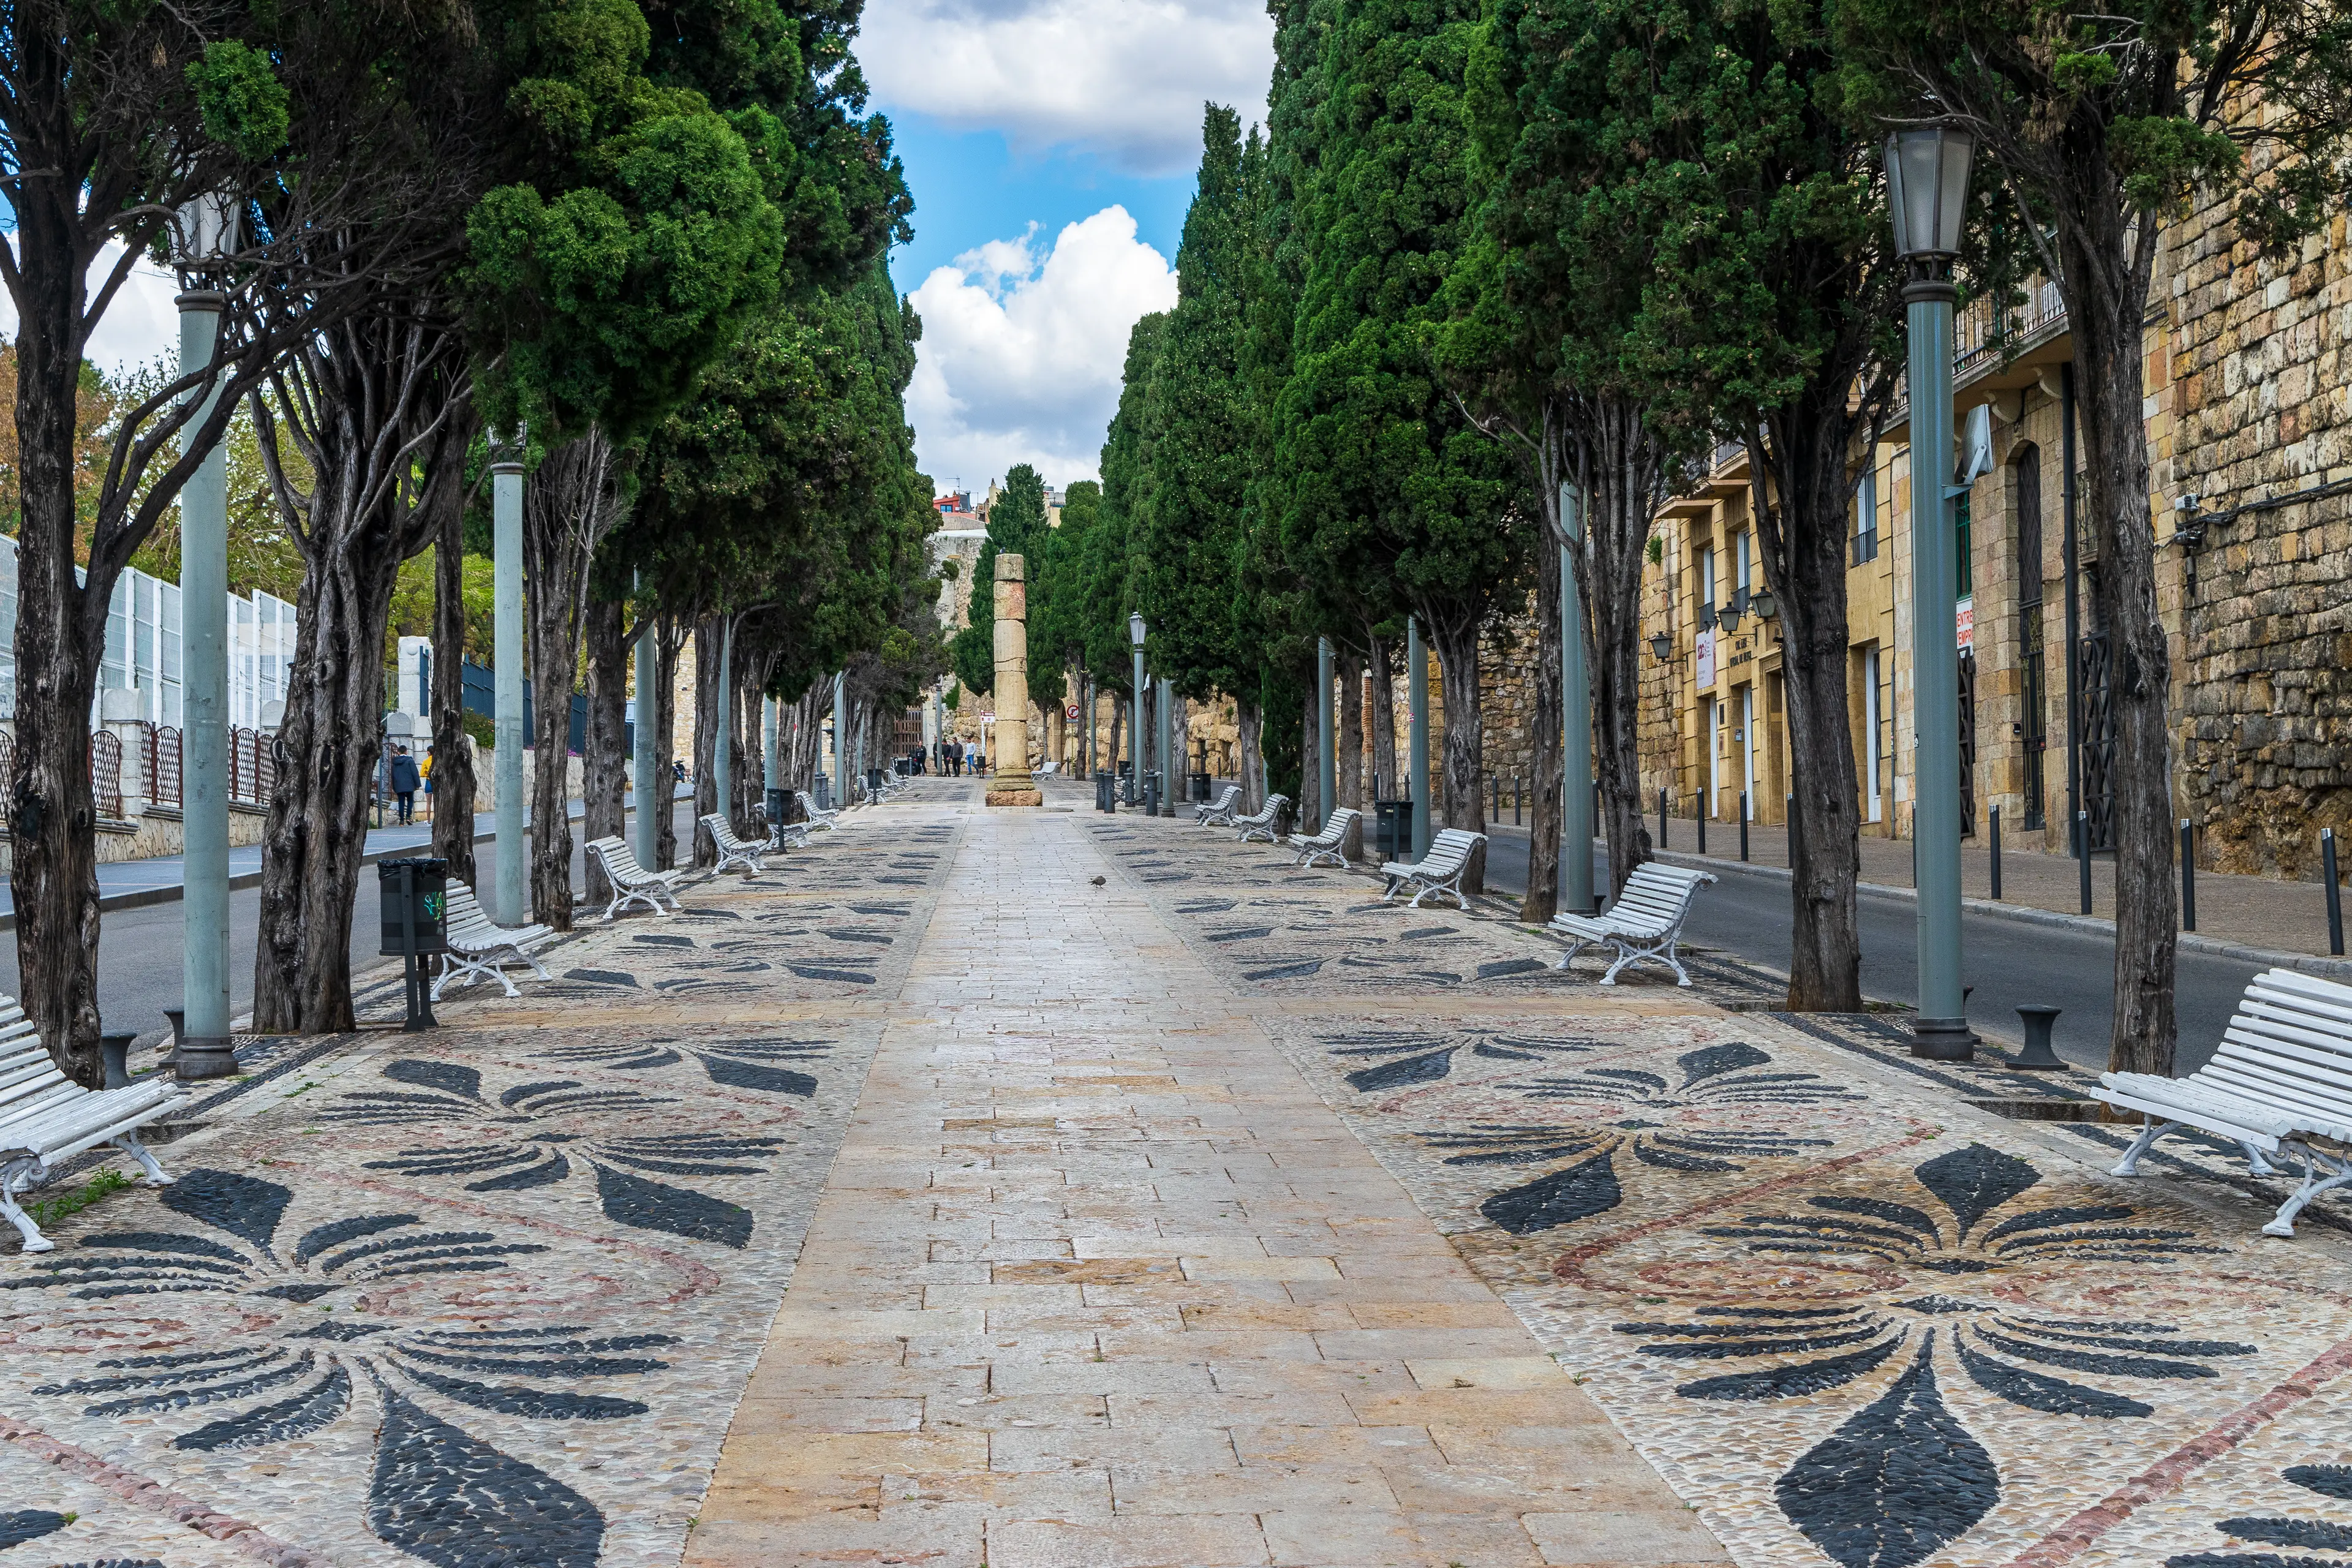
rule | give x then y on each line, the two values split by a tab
482	1295
1100	1279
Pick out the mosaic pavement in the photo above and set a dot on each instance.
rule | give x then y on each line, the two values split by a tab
486	1296
492	1296
1849	1312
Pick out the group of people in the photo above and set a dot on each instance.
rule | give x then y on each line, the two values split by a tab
952	757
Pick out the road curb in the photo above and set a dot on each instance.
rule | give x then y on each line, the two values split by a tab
2026	915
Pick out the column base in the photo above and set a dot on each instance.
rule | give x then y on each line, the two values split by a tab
1943	1040
1015	789
197	1059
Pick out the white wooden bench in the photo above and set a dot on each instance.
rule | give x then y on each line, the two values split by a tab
632	883
479	949
1218	813
1328	842
2282	1077
45	1117
1645	922
816	819
733	851
1262	820
1439	871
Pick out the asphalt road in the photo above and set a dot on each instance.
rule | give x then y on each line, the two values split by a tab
139	950
2009	962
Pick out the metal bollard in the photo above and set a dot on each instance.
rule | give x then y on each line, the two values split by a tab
2038	1057
1995	815
1743	825
2187	878
1661	819
1494	790
2083	855
1700	812
1518	799
2335	894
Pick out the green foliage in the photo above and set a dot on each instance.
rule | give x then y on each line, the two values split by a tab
47	1212
1125	488
243	104
1390	491
1057	576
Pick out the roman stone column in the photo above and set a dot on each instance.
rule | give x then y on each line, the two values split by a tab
1011	783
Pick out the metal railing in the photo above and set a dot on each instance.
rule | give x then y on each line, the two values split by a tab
160	764
1981	337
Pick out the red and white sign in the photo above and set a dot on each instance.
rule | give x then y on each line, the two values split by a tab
1705	660
1073	711
1964	625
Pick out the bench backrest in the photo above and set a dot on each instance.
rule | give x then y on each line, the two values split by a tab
1448	850
465	912
25	1071
1273	803
808	801
1226	798
2290	1044
620	865
723	832
1656	895
1336	829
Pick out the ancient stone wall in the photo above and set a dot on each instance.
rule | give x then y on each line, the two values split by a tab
2259	407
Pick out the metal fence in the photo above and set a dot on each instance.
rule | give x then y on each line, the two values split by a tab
252	766
106	774
160	764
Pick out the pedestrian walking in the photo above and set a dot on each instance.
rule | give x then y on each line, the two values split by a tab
405	781
425	768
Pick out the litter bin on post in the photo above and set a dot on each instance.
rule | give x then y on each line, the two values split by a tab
778	803
415	925
824	792
1393	829
873	785
1200	786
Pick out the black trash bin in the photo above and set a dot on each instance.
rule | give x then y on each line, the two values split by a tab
779	803
1200	786
415	925
1393	829
824	792
873	783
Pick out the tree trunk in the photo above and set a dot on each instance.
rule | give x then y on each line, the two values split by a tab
54	873
1118	728
569	506
370	407
664	706
1311	770
1549	796
1461	801
1626	483
1388	772
605	759
1253	780
2106	304
1350	784
326	750
453	752
804	746
1803	545
707	713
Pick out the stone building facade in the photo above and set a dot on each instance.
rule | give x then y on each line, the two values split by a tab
2249	415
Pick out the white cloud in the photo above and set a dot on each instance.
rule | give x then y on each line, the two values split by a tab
140	322
1123	78
1021	352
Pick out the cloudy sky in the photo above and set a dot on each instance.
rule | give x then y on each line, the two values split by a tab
1052	146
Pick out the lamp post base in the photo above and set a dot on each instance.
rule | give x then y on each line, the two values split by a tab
1943	1040
198	1060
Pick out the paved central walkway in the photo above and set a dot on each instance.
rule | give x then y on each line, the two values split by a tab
1098	1280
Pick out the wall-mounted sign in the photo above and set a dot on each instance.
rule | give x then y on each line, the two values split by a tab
1705	660
1964	624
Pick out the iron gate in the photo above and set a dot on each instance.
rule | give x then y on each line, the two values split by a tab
2094	679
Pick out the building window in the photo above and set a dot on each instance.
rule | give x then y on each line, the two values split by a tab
1865	519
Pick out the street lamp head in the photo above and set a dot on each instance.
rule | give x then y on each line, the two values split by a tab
1763	603
1729	617
1662	646
203	231
1135	629
1928	189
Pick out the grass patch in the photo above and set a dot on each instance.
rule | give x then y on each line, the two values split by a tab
48	1211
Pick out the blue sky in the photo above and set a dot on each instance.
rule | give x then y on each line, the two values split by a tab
970	187
1052	146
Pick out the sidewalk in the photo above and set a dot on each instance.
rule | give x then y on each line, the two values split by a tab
162	879
2241	915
